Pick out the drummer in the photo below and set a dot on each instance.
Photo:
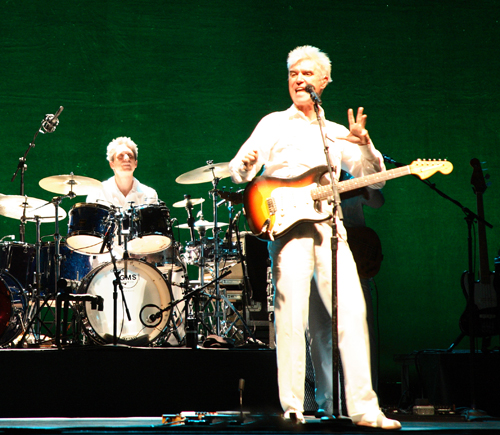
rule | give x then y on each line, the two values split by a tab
123	188
120	191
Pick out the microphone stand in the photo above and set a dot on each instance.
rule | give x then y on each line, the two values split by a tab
117	283
48	125
336	211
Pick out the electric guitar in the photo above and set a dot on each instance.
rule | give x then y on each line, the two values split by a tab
273	206
482	302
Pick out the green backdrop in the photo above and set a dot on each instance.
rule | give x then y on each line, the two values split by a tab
188	81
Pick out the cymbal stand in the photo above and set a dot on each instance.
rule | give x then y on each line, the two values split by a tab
221	313
35	306
216	229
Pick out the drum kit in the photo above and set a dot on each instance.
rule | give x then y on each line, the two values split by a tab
120	271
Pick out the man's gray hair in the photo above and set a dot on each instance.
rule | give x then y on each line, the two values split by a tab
315	54
122	140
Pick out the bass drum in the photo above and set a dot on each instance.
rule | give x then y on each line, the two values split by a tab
12	308
146	292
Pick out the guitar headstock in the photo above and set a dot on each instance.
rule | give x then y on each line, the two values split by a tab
477	180
426	168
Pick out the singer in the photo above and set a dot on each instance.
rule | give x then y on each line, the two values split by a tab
287	144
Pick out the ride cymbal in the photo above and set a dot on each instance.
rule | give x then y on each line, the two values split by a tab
205	174
64	184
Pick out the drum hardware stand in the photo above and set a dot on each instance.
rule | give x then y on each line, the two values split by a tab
190	219
192	322
36	307
97	303
48	125
247	285
220	314
216	230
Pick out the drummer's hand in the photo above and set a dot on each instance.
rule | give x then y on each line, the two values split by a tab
249	160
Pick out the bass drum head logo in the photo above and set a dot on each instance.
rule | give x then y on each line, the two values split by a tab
130	280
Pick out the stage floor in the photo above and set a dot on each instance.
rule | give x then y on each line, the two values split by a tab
253	424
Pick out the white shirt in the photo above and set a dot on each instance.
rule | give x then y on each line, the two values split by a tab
110	194
289	144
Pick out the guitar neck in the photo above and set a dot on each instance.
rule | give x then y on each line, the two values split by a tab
484	268
325	192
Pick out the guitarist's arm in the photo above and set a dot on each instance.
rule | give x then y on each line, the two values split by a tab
254	153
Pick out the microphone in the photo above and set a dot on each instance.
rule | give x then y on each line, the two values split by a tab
314	95
50	122
153	317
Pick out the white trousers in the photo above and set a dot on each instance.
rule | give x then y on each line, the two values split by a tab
302	255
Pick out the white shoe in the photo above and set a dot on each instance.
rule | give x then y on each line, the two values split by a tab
294	415
378	420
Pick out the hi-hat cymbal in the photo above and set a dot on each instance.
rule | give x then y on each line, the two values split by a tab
14	206
202	224
204	174
64	184
184	202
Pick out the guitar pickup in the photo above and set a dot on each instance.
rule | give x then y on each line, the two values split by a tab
271	206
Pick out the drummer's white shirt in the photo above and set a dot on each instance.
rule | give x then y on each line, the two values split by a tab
111	195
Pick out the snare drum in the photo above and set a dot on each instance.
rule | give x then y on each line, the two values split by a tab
146	292
169	256
74	266
12	308
151	230
87	227
18	259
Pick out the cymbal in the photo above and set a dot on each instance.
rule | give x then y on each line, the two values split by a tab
204	174
202	224
14	206
183	203
63	184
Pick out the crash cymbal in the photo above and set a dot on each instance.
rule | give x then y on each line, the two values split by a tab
183	203
14	206
204	174
202	224
63	184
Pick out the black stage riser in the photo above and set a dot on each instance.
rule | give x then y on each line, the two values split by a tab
121	382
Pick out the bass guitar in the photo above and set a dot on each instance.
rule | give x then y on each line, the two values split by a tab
273	206
481	317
